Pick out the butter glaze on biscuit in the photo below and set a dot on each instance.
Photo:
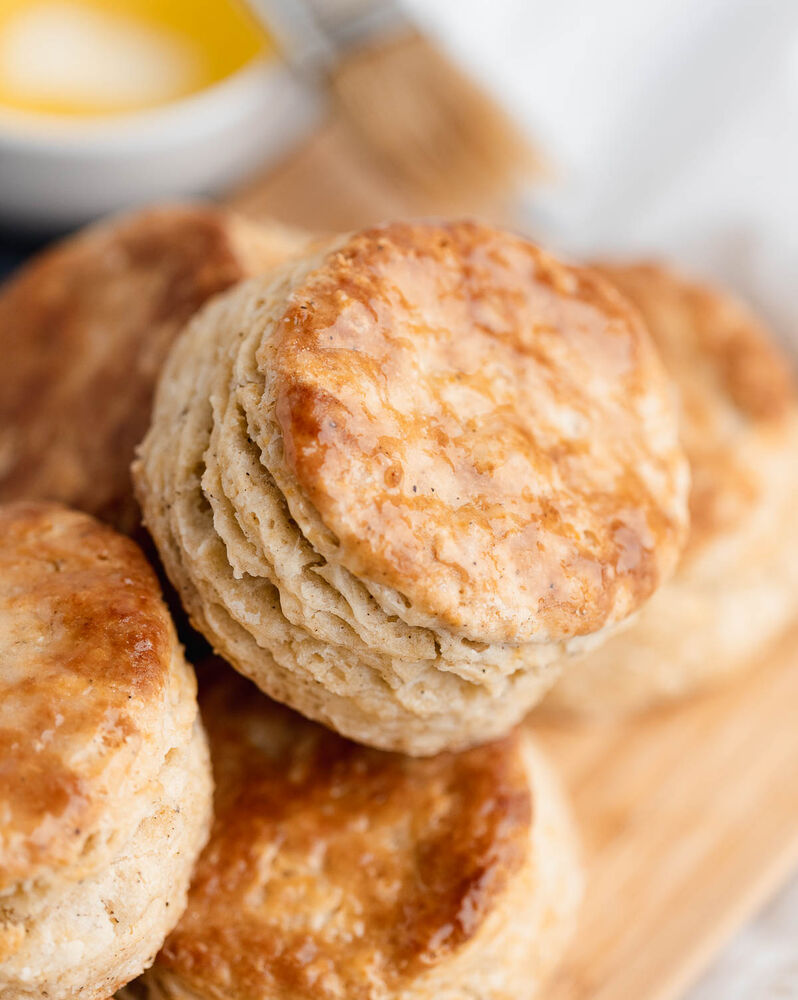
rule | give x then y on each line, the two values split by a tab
102	758
297	596
84	330
87	650
338	871
482	428
732	377
735	588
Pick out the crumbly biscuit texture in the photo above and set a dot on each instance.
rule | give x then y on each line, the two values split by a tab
103	763
87	938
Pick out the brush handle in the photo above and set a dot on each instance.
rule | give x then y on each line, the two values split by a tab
314	34
356	22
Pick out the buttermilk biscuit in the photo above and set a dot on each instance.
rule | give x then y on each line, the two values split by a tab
105	786
737	584
84	329
394	482
336	872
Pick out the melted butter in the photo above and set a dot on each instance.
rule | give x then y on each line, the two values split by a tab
86	58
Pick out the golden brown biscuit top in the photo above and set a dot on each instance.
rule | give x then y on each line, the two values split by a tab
732	377
338	871
84	330
85	641
483	428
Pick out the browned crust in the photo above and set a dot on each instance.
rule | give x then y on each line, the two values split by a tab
733	379
335	870
464	413
86	648
84	330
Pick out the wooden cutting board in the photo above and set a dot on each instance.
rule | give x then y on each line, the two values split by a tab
689	816
689	821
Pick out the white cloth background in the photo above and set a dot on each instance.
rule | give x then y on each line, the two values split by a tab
672	127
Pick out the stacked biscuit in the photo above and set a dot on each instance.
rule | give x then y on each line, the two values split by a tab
403	480
397	480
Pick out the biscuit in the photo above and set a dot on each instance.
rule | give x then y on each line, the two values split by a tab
736	587
105	785
338	871
84	329
396	481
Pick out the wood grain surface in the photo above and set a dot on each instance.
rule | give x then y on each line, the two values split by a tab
689	820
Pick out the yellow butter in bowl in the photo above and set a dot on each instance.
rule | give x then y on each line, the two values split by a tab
90	58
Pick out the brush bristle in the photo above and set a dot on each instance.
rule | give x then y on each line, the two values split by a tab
433	127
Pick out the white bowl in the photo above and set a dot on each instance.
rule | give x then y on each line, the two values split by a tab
56	173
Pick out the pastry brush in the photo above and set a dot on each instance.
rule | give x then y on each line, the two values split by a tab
433	129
